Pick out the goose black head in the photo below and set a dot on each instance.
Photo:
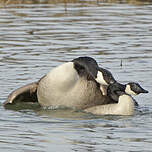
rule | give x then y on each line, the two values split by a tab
116	89
133	88
86	66
105	77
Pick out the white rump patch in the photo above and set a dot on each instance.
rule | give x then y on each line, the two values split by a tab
129	91
100	78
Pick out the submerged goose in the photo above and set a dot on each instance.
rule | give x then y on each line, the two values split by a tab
73	84
125	105
121	102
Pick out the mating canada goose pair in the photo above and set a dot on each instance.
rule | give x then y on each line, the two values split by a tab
80	84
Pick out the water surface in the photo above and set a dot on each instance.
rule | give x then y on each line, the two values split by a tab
37	37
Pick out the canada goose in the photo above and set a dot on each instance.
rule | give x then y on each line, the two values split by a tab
125	105
73	84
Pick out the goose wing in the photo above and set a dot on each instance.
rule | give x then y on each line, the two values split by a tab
27	93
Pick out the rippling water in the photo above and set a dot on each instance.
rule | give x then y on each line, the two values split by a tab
36	37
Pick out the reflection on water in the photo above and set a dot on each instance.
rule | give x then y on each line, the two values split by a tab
36	37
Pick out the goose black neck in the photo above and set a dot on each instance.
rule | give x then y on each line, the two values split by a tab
115	90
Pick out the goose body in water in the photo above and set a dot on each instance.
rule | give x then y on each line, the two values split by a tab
125	105
76	84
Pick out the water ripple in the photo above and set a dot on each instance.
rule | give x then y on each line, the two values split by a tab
36	37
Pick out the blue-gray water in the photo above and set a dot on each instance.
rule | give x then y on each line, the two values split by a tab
36	37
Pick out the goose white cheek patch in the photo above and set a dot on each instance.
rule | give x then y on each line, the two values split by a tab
103	89
129	91
100	79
